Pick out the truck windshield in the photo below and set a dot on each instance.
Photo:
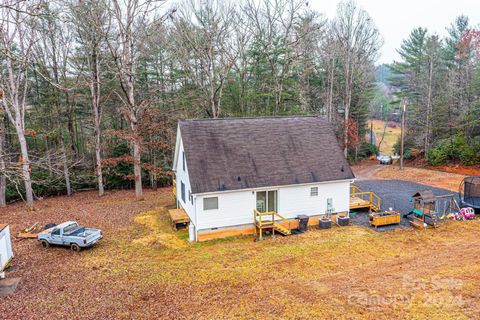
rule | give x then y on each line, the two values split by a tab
70	228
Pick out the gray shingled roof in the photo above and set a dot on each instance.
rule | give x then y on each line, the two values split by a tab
241	153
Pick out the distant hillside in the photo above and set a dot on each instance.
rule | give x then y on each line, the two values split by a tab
383	73
385	89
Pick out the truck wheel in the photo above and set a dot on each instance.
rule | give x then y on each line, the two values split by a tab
75	247
45	244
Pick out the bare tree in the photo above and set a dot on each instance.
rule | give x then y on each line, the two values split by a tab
130	20
274	25
203	31
359	42
3	178
17	40
328	53
90	20
53	52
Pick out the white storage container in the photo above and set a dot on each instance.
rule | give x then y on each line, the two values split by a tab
6	253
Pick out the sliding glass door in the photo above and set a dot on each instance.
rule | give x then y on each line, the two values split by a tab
267	201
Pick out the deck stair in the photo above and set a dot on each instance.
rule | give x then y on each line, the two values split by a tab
271	221
364	200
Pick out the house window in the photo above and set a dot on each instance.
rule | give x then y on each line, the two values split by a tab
313	191
210	203
183	160
183	191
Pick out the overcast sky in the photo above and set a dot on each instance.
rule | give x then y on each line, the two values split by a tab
395	19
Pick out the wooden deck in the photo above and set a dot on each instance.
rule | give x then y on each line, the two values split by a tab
363	200
178	216
359	203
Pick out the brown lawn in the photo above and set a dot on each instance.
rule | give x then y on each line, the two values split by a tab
143	270
392	135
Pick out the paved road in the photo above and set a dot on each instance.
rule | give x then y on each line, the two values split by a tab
367	171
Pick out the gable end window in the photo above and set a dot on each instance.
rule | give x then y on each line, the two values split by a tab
210	203
314	192
183	191
183	160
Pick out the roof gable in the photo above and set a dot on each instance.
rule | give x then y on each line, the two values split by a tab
425	195
241	153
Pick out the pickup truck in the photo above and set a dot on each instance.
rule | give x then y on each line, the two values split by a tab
70	234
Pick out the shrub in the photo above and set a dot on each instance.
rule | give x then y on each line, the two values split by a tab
367	149
437	156
407	150
456	149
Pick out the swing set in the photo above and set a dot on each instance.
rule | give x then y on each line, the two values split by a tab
430	210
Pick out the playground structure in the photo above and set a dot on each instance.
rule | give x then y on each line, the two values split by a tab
469	192
430	210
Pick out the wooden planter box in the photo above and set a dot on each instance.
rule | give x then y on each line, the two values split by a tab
384	219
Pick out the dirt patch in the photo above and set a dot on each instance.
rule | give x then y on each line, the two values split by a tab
366	169
458	169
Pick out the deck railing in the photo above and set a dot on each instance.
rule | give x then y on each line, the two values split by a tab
174	190
267	220
371	197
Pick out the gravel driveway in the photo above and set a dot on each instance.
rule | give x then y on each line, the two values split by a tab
395	194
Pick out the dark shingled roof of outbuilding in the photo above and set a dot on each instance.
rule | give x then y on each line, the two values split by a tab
242	153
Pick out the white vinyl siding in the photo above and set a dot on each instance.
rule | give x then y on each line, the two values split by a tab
188	204
296	200
235	208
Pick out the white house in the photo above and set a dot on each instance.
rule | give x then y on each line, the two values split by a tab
6	253
226	168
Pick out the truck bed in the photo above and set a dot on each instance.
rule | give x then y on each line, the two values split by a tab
80	232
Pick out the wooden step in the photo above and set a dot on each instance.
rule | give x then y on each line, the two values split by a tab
281	229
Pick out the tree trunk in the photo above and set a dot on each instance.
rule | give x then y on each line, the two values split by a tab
3	178
66	174
137	168
95	92
25	164
98	157
347	107
429	107
330	94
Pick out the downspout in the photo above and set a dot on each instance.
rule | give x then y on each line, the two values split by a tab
196	220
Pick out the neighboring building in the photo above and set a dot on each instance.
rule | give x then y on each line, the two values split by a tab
226	168
6	253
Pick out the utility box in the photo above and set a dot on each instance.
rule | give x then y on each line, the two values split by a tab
191	232
6	253
302	223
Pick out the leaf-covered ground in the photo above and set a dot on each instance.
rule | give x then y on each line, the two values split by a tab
143	270
439	179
